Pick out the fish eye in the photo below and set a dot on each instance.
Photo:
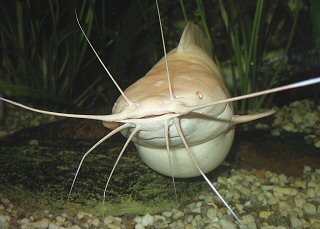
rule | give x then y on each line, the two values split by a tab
199	94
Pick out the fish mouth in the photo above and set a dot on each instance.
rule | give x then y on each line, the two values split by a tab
156	137
155	115
153	123
152	118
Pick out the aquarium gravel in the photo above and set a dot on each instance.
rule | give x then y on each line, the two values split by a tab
262	199
299	117
18	119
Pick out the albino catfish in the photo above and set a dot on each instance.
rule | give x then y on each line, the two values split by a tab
179	115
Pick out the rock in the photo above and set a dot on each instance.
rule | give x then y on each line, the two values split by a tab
245	191
309	209
95	222
34	142
3	222
167	214
80	215
196	210
25	221
117	220
274	180
311	193
174	224
138	219
307	169
299	201
295	222
44	223
280	227
239	207
139	226
189	226
300	184
75	227
252	226
285	191
283	179
199	204
265	214
109	219
197	218
315	225
114	226
178	214
189	218
60	219
159	218
180	224
227	225
53	226
246	219
147	220
211	213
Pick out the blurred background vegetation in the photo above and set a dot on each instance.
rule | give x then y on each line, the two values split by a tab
45	60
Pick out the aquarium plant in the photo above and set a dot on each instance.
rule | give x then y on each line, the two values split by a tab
43	53
258	36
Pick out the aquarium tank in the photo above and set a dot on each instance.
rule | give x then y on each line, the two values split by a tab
57	172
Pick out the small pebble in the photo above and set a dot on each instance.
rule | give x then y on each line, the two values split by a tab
147	220
3	222
309	209
75	227
299	201
311	193
139	226
264	214
285	191
246	219
109	219
211	213
44	223
295	222
228	225
178	214
114	226
60	219
53	226
196	210
252	225
80	215
34	142
95	222
167	214
138	219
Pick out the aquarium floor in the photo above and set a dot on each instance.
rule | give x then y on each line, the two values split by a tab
38	165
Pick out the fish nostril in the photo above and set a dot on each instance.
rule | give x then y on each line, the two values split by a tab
199	94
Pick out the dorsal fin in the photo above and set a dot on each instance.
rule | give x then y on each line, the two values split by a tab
193	36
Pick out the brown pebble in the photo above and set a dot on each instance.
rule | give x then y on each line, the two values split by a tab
261	174
133	224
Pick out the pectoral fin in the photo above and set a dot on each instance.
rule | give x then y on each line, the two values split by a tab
111	125
247	118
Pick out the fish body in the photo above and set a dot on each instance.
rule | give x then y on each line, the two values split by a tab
195	80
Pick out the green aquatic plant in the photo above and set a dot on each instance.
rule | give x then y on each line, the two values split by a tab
257	37
45	58
249	35
43	54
